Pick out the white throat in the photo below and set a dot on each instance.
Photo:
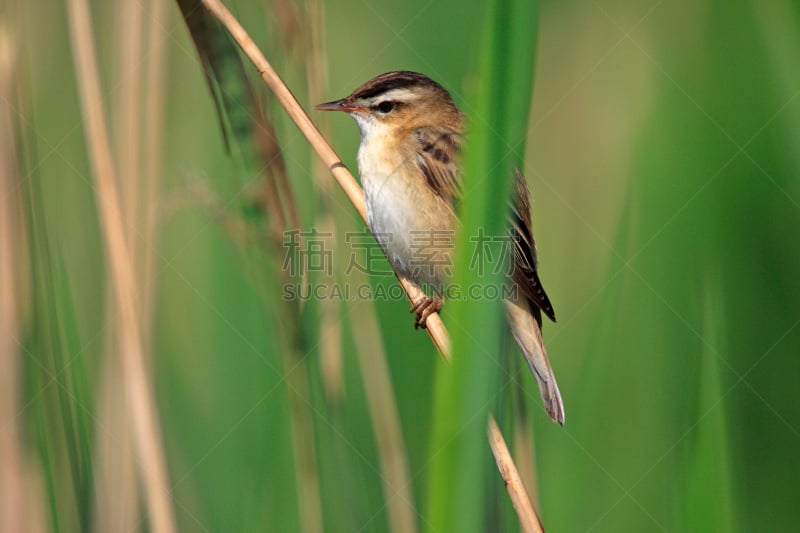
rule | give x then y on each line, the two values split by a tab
399	209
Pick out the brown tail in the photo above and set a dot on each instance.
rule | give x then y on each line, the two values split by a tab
528	335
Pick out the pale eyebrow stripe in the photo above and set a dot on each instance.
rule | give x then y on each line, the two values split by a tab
402	95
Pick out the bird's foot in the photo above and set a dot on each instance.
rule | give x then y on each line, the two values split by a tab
424	308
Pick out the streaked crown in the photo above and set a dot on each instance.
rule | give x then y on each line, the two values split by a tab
400	98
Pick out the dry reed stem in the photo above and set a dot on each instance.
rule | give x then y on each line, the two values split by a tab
139	395
153	128
127	116
522	442
330	323
516	489
303	444
385	419
331	357
278	202
267	194
12	484
435	327
116	500
370	352
523	445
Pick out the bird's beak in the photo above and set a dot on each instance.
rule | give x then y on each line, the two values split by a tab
338	105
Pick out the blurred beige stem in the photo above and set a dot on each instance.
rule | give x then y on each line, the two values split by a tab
302	433
331	357
117	501
127	115
153	132
523	446
137	388
395	476
397	483
12	483
516	489
435	327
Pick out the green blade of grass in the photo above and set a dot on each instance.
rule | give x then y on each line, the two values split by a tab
705	499
258	159
459	479
58	380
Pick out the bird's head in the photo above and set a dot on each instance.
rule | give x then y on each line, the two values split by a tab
397	101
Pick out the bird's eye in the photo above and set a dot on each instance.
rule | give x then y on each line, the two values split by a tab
386	106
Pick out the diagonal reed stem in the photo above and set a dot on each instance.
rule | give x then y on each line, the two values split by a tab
516	489
435	327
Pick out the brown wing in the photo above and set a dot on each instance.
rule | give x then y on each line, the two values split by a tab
524	269
436	158
442	175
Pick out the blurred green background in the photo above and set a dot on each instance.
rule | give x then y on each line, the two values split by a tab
663	154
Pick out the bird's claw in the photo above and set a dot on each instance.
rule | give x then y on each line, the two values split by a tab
424	308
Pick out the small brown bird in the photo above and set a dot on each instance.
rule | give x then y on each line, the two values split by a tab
411	134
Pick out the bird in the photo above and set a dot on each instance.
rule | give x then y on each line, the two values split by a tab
409	163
